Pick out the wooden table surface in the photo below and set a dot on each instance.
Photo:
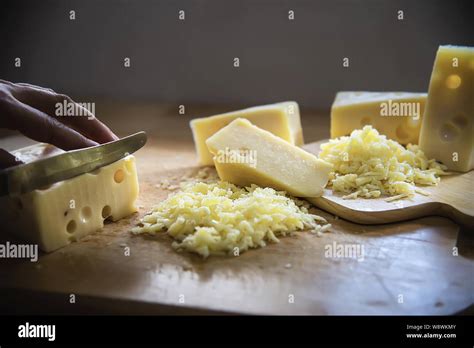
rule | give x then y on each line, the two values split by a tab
408	267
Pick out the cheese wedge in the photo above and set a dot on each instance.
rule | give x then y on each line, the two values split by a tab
281	119
447	133
66	211
397	115
245	154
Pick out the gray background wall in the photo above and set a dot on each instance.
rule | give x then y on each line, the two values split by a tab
192	61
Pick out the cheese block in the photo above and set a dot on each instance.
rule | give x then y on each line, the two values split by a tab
66	211
245	154
447	133
282	119
397	115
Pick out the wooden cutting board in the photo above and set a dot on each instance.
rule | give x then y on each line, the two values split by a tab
407	268
452	198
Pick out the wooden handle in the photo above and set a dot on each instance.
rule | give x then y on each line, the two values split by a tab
464	218
373	217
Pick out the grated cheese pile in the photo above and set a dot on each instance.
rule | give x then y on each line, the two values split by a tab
369	165
217	218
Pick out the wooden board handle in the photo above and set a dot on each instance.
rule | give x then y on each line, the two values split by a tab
394	215
461	217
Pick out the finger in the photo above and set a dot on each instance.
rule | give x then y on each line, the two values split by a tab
7	160
85	121
49	102
24	84
38	126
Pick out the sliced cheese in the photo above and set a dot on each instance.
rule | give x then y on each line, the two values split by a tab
66	211
447	133
281	119
397	115
245	154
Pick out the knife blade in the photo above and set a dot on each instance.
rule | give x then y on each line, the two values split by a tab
47	171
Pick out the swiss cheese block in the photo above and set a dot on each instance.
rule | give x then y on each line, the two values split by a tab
447	133
281	119
245	154
66	211
397	115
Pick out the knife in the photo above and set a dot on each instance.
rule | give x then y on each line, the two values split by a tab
47	171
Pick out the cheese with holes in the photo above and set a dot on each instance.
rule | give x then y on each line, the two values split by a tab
397	115
245	154
66	211
281	119
447	133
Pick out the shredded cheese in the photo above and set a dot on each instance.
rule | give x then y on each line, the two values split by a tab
221	218
368	165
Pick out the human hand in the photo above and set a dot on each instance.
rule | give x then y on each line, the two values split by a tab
30	110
